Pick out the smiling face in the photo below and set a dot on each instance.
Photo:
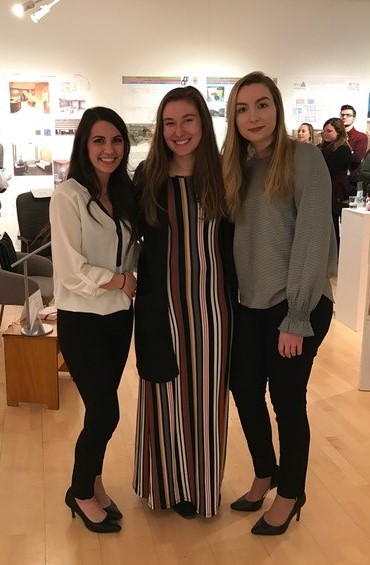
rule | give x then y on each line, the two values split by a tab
105	147
182	128
304	134
329	133
255	116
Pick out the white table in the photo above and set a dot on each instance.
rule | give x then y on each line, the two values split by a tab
353	268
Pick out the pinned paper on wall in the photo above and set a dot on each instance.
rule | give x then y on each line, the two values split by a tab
317	98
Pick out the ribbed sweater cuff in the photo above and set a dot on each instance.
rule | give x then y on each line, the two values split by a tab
297	323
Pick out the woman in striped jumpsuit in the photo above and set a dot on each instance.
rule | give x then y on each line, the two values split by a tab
183	312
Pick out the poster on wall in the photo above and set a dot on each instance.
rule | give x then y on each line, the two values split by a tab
29	98
38	120
140	99
318	98
42	118
72	97
32	158
217	94
141	95
30	122
71	104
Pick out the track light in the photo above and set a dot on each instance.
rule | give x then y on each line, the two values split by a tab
20	9
42	11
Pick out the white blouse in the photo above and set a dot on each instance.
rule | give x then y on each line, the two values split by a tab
84	250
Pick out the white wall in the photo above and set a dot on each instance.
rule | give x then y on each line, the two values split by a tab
105	39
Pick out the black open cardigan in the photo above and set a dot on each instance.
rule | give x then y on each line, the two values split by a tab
155	357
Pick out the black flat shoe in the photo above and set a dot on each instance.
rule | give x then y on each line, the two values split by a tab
106	526
185	509
244	505
262	528
113	511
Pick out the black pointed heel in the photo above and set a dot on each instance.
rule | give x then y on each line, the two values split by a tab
244	505
106	526
262	528
113	511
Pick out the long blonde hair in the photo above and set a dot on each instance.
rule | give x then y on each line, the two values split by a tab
310	131
279	175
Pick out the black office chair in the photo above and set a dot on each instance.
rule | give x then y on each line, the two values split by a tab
33	222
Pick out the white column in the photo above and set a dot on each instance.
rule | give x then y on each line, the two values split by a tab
353	272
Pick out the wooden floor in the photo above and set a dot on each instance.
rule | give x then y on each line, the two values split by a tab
36	450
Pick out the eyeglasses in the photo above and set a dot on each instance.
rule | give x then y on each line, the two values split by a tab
344	115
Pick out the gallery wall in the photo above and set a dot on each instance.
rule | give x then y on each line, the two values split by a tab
104	39
96	42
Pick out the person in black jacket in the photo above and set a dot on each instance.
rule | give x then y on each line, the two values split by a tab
337	154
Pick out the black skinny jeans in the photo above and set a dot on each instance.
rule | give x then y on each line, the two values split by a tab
95	349
256	361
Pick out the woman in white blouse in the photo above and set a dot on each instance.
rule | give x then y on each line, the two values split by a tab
94	234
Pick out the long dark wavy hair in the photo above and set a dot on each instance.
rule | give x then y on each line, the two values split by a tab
207	173
120	186
328	147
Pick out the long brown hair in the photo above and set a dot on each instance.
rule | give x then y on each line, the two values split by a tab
207	174
342	137
279	175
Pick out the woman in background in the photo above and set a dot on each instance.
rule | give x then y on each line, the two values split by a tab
337	154
278	193
182	312
93	235
306	133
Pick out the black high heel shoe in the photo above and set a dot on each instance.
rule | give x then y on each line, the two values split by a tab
113	511
106	526
185	509
262	528
244	505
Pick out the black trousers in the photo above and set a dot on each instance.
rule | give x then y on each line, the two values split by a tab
95	349
256	361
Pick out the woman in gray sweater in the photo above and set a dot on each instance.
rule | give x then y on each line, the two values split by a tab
279	195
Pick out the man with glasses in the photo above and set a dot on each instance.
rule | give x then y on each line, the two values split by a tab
358	142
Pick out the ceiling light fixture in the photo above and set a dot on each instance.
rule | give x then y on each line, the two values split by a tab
20	9
42	11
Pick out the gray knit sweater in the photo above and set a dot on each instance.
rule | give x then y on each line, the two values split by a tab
287	250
